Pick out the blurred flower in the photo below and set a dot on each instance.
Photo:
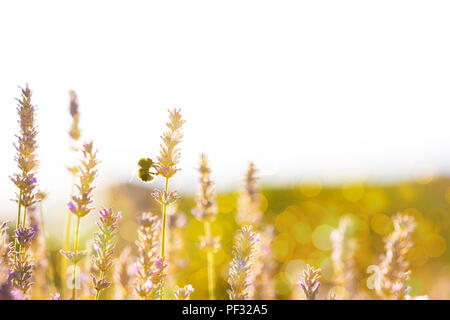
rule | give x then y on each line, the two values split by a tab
122	274
240	267
104	242
206	208
394	266
73	257
310	282
264	267
209	243
249	211
206	212
4	243
74	132
184	293
56	296
165	198
344	246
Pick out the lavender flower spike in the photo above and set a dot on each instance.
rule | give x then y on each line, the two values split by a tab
310	282
104	242
394	265
165	166
25	181
26	147
24	236
206	212
150	267
81	202
240	267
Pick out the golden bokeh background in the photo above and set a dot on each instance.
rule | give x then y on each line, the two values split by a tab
304	214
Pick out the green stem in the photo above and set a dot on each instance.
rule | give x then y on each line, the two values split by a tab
75	249
67	235
163	236
19	209
64	263
16	244
49	272
67	239
24	216
210	262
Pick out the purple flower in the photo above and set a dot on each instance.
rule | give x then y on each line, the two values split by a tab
107	217
190	288
17	294
302	285
56	296
24	235
255	237
35	228
104	213
148	285
71	206
134	268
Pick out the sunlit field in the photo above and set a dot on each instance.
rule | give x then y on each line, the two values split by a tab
304	240
224	150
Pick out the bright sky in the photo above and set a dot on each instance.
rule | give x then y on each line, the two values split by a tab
306	89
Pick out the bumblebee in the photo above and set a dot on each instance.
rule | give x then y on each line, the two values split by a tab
145	164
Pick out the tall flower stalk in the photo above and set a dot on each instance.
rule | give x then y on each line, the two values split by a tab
206	212
104	242
4	243
249	203
249	213
38	250
264	267
175	250
26	158
22	265
122	275
342	257
21	268
5	285
74	134
166	167
80	205
240	266
74	131
394	266
150	266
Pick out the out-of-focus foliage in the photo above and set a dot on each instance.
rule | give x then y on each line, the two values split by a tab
304	215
